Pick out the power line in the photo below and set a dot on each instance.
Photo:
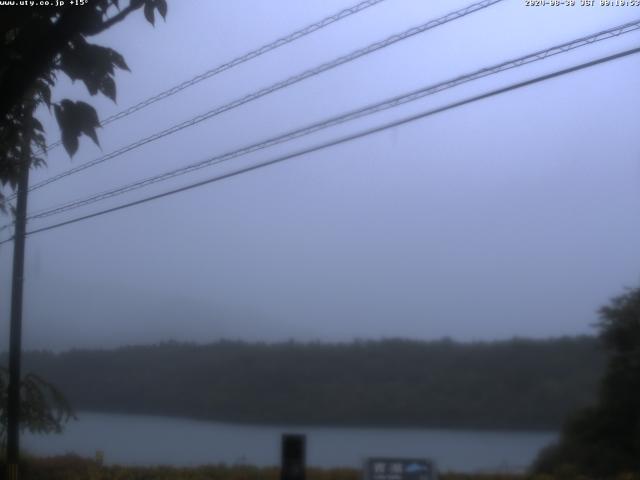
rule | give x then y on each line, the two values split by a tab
280	42
348	138
277	86
352	115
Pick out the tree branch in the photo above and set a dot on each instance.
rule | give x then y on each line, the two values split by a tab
109	22
48	45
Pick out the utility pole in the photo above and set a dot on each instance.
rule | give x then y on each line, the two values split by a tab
15	345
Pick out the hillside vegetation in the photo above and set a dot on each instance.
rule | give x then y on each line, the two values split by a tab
517	384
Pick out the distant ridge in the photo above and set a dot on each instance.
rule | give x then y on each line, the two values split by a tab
509	384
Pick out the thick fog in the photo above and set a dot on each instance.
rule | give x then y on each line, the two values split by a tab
514	216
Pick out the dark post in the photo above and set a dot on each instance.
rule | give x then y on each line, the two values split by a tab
15	345
293	457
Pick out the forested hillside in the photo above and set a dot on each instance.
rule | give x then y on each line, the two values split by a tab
517	384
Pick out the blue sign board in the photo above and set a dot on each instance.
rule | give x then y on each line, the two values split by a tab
399	469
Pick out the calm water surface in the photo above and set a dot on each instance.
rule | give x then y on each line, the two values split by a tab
148	440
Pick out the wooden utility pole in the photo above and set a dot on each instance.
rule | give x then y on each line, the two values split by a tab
15	345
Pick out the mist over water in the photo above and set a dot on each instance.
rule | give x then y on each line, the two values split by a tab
146	440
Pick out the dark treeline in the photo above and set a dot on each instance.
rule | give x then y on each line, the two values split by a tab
517	384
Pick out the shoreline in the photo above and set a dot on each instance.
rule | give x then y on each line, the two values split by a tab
329	426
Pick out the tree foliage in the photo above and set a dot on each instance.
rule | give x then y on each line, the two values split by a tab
524	384
604	439
43	409
36	45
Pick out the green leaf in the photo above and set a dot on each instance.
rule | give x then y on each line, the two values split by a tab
108	88
69	136
70	142
37	162
94	65
74	119
39	141
161	5
148	12
87	119
37	125
44	92
118	61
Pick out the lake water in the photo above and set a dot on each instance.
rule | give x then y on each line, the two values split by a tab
148	440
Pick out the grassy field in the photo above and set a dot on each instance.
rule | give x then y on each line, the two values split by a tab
70	467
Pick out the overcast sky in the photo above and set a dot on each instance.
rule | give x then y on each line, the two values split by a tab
514	216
